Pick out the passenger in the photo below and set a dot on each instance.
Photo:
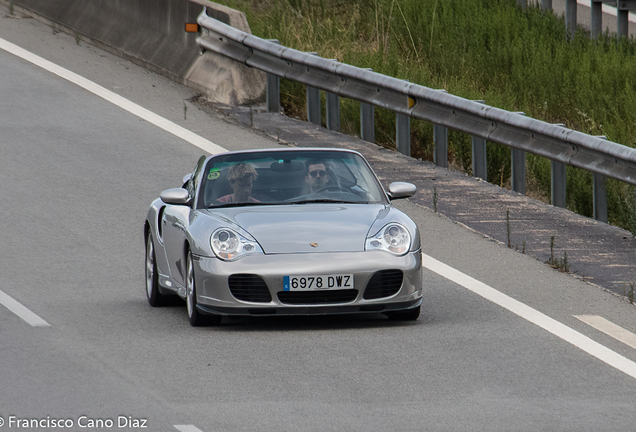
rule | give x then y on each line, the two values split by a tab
241	179
317	176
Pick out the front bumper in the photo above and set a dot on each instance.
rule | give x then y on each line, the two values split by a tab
215	297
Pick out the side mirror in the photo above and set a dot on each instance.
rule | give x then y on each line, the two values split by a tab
399	190
176	196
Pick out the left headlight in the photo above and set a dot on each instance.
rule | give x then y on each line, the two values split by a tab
392	238
229	245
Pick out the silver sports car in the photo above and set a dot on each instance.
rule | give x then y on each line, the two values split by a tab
283	232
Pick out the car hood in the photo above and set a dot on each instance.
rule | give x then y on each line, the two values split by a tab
295	228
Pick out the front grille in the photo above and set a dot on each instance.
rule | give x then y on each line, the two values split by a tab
384	283
317	297
248	287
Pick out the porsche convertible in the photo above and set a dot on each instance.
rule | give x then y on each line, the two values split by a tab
283	232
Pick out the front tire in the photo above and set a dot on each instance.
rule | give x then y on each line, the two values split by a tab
196	318
155	298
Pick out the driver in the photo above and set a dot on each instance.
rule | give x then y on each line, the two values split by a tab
317	176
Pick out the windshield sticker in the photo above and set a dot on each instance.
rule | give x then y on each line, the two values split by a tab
213	175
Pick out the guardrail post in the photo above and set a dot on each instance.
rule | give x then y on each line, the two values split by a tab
403	131
367	122
313	105
558	184
403	134
273	88
518	167
273	93
570	18
597	18
518	170
440	154
480	164
622	16
333	112
600	198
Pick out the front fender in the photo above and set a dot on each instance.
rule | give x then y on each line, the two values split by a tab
152	217
199	232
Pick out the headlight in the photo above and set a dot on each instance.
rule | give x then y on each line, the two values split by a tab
392	238
229	245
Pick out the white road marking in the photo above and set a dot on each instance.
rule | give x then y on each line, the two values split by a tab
17	308
114	98
610	329
553	326
187	428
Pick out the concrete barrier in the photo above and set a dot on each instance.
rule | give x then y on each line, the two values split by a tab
151	33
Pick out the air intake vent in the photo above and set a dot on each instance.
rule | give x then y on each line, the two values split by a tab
317	297
384	283
250	288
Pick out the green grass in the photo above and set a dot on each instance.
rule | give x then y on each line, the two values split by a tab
518	60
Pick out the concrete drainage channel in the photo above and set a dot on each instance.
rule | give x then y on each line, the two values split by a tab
155	38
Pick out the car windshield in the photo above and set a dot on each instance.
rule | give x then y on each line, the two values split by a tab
289	178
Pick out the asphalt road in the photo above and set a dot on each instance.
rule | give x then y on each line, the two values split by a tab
76	176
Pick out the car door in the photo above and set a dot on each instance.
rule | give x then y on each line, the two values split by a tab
175	223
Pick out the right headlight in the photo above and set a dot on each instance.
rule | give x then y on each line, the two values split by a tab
229	245
392	238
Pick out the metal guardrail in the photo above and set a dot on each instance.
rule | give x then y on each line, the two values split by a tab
408	100
596	6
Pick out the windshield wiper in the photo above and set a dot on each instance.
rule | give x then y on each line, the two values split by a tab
323	200
241	204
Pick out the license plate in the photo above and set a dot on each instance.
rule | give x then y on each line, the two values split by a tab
318	282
